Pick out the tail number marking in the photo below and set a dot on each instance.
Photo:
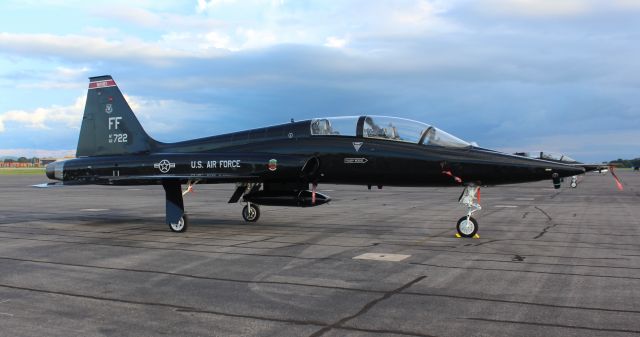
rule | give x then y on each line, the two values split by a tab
118	138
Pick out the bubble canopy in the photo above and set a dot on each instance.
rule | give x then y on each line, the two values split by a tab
386	128
554	156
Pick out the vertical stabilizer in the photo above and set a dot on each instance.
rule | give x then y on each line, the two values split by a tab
109	126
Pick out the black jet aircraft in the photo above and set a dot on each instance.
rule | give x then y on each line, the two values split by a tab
276	165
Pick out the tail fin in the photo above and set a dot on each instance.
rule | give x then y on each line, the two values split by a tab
109	126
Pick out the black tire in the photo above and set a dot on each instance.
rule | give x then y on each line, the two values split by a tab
574	185
251	214
181	226
467	231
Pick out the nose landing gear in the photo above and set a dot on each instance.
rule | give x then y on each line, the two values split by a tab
574	181
467	226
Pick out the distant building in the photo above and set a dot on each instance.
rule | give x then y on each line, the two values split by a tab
45	161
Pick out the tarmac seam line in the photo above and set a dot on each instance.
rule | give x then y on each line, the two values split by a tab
318	286
556	264
171	248
193	276
527	271
184	309
554	325
495	300
178	308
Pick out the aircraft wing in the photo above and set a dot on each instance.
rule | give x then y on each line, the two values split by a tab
150	179
592	167
211	178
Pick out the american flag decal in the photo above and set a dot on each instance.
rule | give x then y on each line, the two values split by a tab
102	84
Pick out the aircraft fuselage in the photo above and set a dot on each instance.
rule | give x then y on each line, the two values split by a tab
277	154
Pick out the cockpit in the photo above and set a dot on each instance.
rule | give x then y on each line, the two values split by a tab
553	156
386	128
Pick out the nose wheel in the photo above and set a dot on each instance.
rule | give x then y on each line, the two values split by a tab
574	181
251	212
467	226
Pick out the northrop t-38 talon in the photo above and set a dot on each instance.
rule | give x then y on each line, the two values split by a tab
276	165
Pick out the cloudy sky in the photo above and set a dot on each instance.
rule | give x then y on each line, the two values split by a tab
556	75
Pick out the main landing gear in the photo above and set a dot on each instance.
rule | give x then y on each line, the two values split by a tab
467	226
251	212
175	216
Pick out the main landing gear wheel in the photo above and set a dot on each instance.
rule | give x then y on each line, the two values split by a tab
181	225
467	228
251	213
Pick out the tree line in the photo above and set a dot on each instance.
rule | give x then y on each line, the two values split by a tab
21	160
626	162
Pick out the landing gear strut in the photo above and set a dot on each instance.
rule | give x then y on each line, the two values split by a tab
467	226
175	215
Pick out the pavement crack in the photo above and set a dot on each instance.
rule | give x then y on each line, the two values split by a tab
366	308
543	212
518	258
544	231
549	221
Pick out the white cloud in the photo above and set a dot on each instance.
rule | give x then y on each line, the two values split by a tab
67	72
42	118
205	5
158	116
86	48
163	21
256	38
272	22
627	4
538	8
335	42
421	12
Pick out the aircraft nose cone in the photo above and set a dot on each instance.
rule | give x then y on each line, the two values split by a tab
55	170
50	169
